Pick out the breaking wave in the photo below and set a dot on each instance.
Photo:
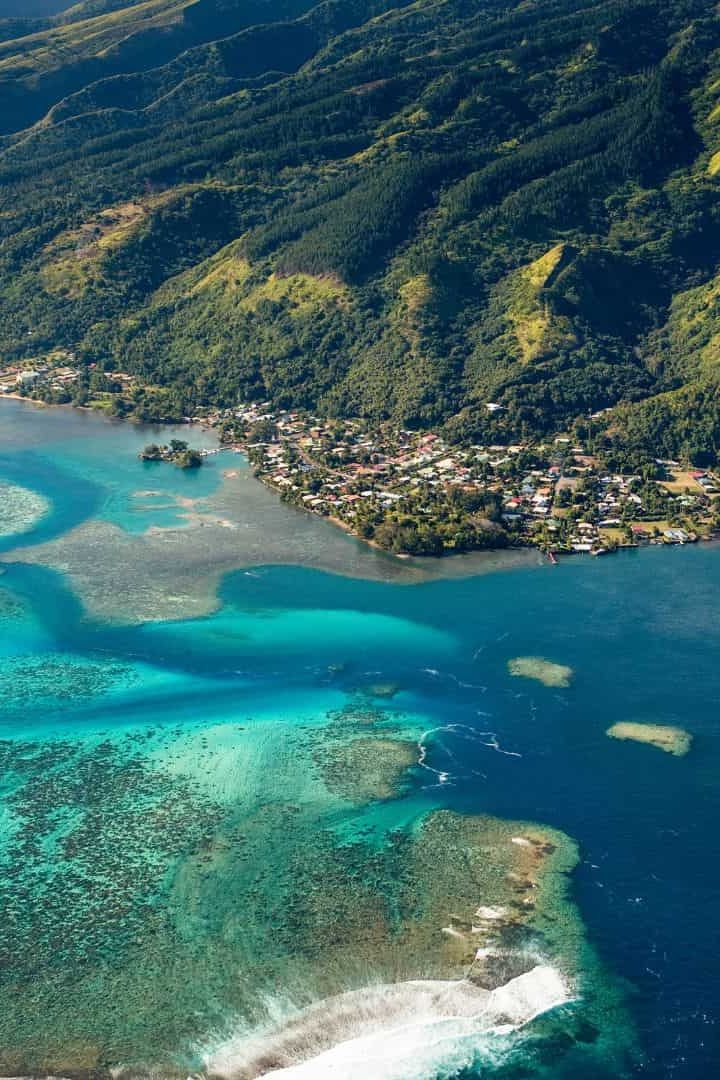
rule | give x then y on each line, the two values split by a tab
433	740
415	1030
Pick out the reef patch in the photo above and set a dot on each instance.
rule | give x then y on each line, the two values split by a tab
58	680
21	509
667	737
366	769
543	671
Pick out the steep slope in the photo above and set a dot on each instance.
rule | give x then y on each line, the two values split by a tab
401	210
94	41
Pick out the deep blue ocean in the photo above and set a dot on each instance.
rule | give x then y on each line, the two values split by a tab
165	780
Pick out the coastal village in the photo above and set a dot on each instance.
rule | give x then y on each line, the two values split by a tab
412	492
21	379
386	485
57	379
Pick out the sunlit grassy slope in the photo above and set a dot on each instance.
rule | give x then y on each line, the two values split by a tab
396	209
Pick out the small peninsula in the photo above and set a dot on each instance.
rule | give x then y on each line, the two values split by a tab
176	451
424	492
420	493
667	737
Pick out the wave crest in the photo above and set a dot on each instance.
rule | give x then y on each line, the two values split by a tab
412	1030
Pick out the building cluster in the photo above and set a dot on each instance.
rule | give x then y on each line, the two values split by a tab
29	376
57	379
376	481
553	495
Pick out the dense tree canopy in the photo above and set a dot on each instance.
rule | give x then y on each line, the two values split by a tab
383	208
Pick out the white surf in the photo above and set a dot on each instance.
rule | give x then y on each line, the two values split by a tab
415	1030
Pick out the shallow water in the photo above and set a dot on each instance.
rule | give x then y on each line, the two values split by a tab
147	541
209	816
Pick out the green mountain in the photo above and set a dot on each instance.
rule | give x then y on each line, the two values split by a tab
404	210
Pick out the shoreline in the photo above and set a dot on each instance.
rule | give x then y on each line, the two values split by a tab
551	554
508	556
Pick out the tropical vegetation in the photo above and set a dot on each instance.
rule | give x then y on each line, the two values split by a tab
496	217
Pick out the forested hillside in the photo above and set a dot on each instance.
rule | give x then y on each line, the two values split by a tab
404	210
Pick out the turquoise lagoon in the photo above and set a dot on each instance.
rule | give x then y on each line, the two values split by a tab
255	777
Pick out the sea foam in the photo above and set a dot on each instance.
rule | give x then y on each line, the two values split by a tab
415	1030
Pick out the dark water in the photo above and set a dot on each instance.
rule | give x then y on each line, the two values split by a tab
10	9
642	634
165	783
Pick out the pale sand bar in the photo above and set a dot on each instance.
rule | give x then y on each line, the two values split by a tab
673	740
544	671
